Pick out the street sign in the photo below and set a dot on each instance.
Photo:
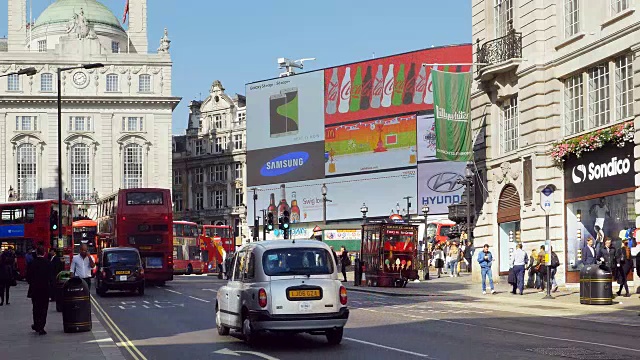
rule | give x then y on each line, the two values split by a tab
546	199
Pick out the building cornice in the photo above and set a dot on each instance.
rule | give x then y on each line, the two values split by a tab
173	101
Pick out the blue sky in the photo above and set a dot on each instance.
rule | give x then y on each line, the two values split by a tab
239	41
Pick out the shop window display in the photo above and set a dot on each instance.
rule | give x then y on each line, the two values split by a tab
597	218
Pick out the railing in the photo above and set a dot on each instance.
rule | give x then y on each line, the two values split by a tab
499	50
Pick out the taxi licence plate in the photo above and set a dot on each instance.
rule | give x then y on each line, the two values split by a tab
123	277
123	272
304	294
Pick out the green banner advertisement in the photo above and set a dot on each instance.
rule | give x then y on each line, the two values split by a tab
452	108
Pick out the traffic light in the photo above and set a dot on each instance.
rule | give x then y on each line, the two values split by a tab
270	221
285	220
53	220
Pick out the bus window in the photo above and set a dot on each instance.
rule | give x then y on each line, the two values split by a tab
194	253
178	229
145	198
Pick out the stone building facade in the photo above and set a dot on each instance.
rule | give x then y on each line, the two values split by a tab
209	162
116	120
549	71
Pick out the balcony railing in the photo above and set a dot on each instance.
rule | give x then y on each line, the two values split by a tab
499	50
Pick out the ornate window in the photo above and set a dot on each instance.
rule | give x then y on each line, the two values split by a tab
144	83
237	142
238	170
219	146
27	165
220	173
509	125
80	172
113	83
198	174
26	123
503	16
199	201
219	199
239	197
132	172
46	82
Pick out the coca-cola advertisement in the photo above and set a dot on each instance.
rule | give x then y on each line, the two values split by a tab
371	145
389	85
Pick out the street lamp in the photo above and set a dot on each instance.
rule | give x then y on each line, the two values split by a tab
60	70
30	71
324	204
256	222
468	183
425	212
364	210
408	206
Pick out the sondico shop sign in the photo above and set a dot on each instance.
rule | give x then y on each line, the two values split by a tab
604	170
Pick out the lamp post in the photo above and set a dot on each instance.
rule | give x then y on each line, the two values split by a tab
30	71
324	204
408	206
256	221
425	212
468	183
60	71
364	210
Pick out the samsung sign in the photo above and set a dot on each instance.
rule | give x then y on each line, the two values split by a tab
604	170
284	164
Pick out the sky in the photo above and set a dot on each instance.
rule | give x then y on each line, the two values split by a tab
238	42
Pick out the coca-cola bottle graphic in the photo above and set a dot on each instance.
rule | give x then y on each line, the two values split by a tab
282	206
367	88
387	91
332	93
398	87
378	89
272	207
428	97
295	210
409	86
345	92
421	85
356	91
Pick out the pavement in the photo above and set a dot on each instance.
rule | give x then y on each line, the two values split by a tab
20	342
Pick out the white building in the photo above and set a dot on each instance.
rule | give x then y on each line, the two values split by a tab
116	120
555	70
209	177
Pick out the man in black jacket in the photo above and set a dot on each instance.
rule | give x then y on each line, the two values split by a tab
56	267
38	276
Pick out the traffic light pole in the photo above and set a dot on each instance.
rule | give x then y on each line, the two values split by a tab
264	224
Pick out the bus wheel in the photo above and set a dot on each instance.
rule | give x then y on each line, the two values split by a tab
189	269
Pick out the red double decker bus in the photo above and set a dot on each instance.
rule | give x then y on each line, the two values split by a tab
186	248
141	218
85	232
217	241
25	224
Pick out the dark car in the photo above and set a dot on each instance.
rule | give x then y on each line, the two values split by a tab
119	269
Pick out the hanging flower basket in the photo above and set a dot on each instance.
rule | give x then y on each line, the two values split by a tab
618	134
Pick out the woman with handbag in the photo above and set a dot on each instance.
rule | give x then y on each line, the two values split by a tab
7	274
624	265
438	258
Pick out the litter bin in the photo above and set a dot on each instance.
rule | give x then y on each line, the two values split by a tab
62	278
595	285
76	307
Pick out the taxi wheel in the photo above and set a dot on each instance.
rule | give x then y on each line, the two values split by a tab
334	336
222	330
247	331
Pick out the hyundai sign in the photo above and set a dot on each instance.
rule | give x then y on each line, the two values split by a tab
600	171
11	231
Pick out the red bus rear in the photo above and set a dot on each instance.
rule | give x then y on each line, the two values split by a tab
85	232
186	248
140	218
25	224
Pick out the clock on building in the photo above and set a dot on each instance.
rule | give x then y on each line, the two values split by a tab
80	79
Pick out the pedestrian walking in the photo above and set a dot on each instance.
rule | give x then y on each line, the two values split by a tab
438	258
38	278
607	255
82	265
7	274
531	279
624	265
468	255
520	259
589	253
555	263
485	258
452	259
344	262
56	267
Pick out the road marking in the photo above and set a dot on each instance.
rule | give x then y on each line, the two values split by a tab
389	348
215	291
195	298
230	352
124	341
539	336
173	291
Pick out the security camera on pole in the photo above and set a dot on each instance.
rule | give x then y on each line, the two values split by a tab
546	203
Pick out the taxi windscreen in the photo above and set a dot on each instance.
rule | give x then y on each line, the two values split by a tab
299	261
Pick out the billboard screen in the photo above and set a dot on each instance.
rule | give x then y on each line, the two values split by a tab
371	145
390	85
438	185
286	164
285	111
304	199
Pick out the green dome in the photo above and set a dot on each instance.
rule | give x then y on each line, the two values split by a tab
61	12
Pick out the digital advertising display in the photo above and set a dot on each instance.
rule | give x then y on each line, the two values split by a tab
285	111
371	145
438	185
286	163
